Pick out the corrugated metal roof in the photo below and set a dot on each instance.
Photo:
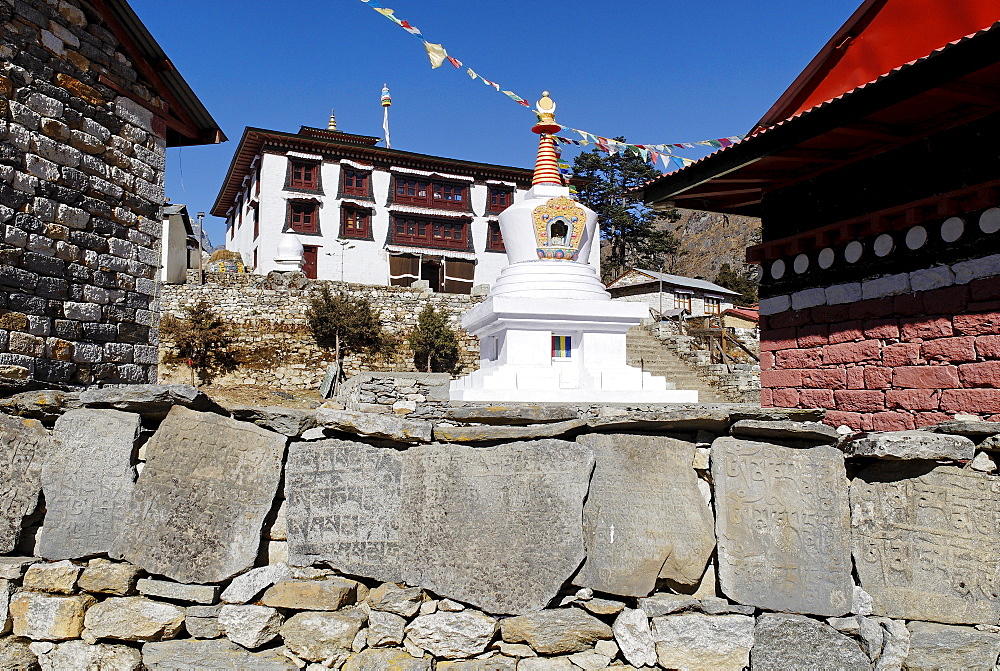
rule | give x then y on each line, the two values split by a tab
681	281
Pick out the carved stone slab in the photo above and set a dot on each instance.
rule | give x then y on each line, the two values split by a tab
87	480
783	525
925	542
497	527
644	513
200	502
23	444
343	507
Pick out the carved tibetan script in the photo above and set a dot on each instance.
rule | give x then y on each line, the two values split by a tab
783	526
925	541
343	507
23	444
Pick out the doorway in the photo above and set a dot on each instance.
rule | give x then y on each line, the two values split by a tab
432	272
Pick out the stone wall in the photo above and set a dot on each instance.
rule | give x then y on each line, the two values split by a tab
81	183
738	381
523	537
267	316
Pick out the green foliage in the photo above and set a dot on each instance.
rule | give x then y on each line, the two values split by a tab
635	234
744	282
344	324
201	339
434	345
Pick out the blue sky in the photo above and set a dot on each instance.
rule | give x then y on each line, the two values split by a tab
654	71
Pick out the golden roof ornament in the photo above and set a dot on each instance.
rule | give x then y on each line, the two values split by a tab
545	110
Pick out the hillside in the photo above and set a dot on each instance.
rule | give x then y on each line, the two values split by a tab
709	239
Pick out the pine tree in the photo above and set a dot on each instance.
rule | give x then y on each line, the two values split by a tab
745	283
201	339
346	325
634	232
434	345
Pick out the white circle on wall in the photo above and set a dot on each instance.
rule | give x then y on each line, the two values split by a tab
916	237
883	245
952	229
801	263
989	221
826	258
778	269
853	251
758	273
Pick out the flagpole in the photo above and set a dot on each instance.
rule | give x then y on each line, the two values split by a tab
386	104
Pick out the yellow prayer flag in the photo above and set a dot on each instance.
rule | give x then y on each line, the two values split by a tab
436	53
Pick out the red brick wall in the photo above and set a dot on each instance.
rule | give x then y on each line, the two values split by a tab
890	363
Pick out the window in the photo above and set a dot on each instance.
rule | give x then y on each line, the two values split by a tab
303	217
494	238
562	347
713	306
355	182
354	223
499	199
255	213
304	175
429	232
256	181
430	194
255	259
682	302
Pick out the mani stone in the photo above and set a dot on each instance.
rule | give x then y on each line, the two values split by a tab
644	516
207	594
343	507
695	641
912	445
218	655
923	539
555	632
783	526
782	641
375	425
514	508
942	646
23	446
87	480
201	500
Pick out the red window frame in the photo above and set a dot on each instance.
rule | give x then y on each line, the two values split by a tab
256	220
494	238
431	232
445	195
499	199
355	223
303	216
355	182
303	175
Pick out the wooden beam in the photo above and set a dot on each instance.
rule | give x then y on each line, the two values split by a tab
734	192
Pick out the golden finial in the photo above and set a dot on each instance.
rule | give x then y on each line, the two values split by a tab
545	109
333	122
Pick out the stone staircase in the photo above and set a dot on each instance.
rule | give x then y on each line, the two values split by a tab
661	351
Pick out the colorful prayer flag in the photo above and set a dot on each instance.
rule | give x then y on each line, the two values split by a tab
436	53
454	61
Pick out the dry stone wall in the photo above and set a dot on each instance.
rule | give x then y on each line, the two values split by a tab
272	342
491	537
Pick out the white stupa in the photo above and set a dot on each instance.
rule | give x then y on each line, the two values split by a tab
549	331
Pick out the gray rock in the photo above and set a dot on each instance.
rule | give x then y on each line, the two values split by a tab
317	637
865	630
546	664
896	644
644	517
555	632
695	641
941	646
250	626
15	653
812	432
134	618
481	434
403	601
56	577
218	655
6	590
662	603
152	401
87	480
717	606
381	660
46	405
784	642
682	419
602	606
921	540
783	526
23	446
44	617
203	621
635	638
343	503
103	576
389	427
739	412
385	628
911	445
512	415
201	500
515	508
975	429
79	655
207	594
861	602
452	635
983	462
286	421
496	663
12	568
327	594
245	587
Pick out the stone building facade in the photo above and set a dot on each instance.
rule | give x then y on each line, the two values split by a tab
88	107
669	295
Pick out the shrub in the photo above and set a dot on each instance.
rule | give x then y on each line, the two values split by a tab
346	325
434	345
202	340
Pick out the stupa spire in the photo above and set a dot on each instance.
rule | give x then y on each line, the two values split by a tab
333	122
546	164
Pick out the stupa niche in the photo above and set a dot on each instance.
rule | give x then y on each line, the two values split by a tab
549	330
